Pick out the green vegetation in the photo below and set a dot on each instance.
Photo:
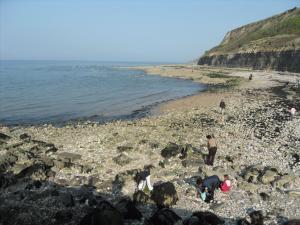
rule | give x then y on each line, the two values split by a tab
217	75
276	32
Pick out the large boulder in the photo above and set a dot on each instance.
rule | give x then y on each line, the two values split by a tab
203	218
140	197
164	216
128	209
171	150
164	194
103	217
256	218
4	137
6	161
292	222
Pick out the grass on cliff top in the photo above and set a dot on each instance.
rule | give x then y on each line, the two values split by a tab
265	29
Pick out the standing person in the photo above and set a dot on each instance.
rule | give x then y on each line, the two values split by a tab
222	106
251	76
207	186
292	112
212	149
143	178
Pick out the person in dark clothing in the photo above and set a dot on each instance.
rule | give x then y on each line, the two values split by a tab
222	106
251	76
212	150
208	185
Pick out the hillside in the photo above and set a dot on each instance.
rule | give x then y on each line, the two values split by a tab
273	43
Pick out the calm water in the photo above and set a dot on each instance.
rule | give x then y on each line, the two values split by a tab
34	92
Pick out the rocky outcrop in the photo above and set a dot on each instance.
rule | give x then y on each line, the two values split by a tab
276	60
272	43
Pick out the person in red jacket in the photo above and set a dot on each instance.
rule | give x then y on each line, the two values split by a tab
225	186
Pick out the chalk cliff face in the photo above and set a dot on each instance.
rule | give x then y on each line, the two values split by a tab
273	43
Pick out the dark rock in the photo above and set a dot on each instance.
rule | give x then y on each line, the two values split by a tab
124	148
292	222
164	216
7	161
264	196
105	214
186	151
242	222
69	157
122	159
4	137
25	136
206	218
128	210
140	197
164	194
67	199
63	216
154	144
256	218
171	150
7	180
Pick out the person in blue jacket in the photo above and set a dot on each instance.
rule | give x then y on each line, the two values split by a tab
207	186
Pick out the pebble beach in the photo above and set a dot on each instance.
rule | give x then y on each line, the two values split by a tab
258	146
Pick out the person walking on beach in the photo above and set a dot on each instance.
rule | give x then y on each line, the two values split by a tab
222	106
292	112
212	150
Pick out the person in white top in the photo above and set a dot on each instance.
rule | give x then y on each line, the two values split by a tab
292	112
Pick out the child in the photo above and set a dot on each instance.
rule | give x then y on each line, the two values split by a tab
226	184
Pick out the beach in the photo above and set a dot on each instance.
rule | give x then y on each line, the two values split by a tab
258	146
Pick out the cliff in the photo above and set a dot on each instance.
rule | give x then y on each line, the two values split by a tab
273	43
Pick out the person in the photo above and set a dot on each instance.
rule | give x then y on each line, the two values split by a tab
212	150
292	112
225	186
222	106
206	188
250	76
143	178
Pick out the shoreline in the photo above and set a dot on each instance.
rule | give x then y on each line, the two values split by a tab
257	146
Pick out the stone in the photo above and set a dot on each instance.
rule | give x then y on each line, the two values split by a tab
256	218
69	157
164	216
264	196
207	218
7	161
294	193
128	209
268	176
242	222
47	161
122	159
292	222
252	188
164	194
171	150
140	197
124	148
62	217
103	216
67	199
4	137
25	136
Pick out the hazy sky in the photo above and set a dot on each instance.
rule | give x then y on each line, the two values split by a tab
124	30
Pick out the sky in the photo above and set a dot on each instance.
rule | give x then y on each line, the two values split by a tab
124	30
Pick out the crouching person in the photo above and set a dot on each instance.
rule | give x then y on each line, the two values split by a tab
225	186
143	179
206	188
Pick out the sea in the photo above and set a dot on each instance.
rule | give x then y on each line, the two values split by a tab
42	92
